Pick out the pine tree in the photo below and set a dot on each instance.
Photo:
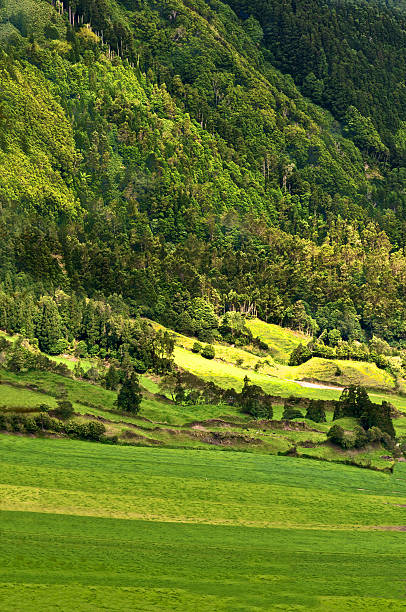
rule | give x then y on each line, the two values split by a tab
315	411
48	329
130	395
112	378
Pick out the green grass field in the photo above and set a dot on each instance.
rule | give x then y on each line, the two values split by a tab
89	527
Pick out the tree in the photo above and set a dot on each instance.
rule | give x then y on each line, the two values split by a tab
300	355
112	378
168	383
48	328
379	416
130	395
353	402
250	397
315	411
179	390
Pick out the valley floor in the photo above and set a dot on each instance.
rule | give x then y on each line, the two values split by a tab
90	527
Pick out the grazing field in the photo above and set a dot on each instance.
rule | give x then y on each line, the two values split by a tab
88	527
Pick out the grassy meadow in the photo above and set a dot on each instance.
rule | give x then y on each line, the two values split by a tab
88	527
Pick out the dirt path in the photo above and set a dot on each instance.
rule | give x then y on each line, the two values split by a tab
311	385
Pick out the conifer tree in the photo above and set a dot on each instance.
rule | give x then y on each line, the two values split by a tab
48	329
130	395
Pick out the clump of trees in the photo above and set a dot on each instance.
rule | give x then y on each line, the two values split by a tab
355	402
186	388
254	401
375	420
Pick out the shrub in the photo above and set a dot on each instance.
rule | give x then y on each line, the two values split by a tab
336	434
197	347
60	346
3	421
31	425
208	352
361	438
81	349
374	434
94	350
92	374
290	413
64	410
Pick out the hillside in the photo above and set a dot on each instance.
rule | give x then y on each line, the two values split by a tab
137	170
202	305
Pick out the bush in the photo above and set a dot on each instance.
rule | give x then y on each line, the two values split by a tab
31	426
290	413
208	352
64	410
3	422
92	374
361	438
197	347
91	430
81	349
374	434
336	434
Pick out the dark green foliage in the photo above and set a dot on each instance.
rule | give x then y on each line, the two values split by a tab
190	190
253	401
197	347
20	423
378	416
361	437
208	352
315	411
299	355
290	412
130	395
336	434
250	397
234	330
64	409
354	402
112	378
48	329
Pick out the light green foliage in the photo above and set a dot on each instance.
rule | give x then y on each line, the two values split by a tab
36	146
280	340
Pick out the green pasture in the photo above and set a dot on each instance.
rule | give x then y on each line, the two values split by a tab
88	527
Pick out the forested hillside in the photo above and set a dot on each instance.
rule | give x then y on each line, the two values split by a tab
162	152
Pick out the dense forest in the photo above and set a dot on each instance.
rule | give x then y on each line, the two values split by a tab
178	160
